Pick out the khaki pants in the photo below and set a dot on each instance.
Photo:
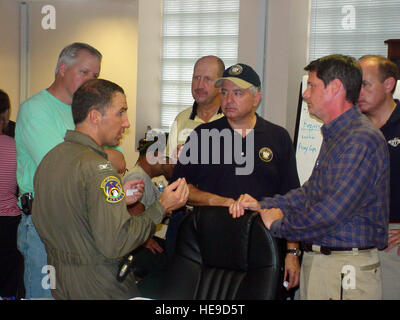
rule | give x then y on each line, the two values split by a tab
390	262
347	275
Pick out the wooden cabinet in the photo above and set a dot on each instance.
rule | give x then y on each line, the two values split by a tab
394	50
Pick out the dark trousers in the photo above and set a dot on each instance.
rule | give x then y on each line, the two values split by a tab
172	231
11	260
150	268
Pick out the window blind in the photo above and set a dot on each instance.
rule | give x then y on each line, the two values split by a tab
352	27
192	29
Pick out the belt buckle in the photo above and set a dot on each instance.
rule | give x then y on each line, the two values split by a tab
321	249
325	251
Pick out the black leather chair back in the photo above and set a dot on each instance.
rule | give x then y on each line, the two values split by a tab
220	258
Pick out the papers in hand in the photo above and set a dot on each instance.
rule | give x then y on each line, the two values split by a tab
131	192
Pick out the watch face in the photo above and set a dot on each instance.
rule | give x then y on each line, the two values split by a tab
295	252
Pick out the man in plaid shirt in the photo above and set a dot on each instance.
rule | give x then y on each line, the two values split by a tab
341	213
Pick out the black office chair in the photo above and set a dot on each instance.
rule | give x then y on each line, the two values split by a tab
220	258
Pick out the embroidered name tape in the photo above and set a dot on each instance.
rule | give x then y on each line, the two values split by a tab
104	166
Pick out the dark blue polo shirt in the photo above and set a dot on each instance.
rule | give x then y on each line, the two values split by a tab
268	164
391	131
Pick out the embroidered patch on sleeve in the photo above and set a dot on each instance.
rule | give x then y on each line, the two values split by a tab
112	189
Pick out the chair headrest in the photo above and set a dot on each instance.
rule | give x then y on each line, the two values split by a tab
223	241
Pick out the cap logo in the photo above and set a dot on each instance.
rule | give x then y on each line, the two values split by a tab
236	70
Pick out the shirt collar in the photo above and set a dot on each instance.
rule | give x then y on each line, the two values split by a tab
84	139
258	127
336	126
395	116
193	114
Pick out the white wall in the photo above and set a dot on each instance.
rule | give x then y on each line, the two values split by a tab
149	66
286	57
252	39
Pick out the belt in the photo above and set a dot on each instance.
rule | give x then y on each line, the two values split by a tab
26	203
394	221
308	247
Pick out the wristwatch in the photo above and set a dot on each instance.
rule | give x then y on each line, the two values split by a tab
294	251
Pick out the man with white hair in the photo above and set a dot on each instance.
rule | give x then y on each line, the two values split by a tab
254	155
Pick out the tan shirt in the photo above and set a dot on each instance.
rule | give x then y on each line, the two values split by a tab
181	128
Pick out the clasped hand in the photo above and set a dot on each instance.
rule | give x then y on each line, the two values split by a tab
268	216
247	202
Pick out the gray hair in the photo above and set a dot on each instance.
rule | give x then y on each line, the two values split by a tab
69	54
253	89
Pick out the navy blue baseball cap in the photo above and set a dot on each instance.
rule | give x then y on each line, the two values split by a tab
240	74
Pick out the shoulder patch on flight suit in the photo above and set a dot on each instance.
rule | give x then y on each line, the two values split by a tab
112	189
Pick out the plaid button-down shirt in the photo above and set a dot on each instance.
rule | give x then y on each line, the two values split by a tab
345	202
